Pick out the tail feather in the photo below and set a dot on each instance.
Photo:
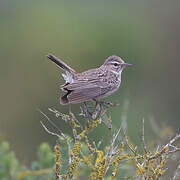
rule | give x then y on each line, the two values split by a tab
64	100
60	63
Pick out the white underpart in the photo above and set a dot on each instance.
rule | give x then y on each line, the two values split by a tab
119	78
118	73
68	77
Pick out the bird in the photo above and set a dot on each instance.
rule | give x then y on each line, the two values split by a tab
90	85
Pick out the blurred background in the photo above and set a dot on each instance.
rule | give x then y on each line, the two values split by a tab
84	33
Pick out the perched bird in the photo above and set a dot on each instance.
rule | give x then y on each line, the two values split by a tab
93	84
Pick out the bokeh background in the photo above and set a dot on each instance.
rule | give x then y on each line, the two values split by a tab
84	33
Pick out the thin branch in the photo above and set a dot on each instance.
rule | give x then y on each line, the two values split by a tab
73	118
174	150
69	153
142	136
129	146
112	141
165	149
53	124
50	132
177	173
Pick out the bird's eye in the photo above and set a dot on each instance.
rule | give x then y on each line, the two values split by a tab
116	64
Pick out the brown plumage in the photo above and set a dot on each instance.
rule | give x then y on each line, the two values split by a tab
92	84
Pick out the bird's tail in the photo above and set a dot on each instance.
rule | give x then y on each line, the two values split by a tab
61	64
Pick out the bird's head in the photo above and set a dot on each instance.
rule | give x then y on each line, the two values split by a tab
115	64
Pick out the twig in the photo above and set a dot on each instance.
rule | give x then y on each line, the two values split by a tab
58	161
110	150
53	124
49	132
69	153
64	117
177	173
142	136
165	149
129	146
73	118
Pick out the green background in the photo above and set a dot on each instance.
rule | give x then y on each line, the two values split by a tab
84	33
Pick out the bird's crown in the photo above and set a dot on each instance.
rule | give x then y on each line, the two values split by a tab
112	59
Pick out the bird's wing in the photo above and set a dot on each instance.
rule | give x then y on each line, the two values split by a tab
85	94
84	84
82	91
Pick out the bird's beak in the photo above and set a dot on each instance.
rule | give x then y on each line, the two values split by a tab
126	64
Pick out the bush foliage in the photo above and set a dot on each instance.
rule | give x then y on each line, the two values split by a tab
79	157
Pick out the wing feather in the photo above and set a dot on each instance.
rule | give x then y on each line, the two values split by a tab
82	84
84	90
85	94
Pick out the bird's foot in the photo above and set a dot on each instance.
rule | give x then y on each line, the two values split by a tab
107	104
88	114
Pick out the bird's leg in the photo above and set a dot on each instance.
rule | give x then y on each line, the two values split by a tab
105	103
87	114
70	108
96	110
86	109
